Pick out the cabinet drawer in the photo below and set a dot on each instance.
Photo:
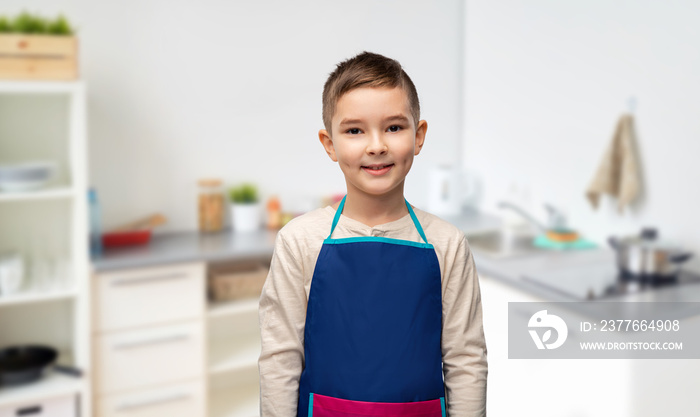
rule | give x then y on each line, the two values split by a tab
147	296
173	400
155	355
53	407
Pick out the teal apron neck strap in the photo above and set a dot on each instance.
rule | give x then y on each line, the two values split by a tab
339	211
416	222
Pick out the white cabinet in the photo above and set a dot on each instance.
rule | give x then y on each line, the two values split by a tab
162	350
150	336
161	294
148	356
549	387
185	399
48	228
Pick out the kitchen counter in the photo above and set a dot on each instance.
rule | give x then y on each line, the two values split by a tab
181	247
586	271
228	246
580	276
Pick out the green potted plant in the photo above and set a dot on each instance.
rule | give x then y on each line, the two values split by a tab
245	208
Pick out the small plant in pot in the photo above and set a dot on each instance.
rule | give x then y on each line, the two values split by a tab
245	210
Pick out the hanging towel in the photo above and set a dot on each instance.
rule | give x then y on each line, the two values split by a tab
618	174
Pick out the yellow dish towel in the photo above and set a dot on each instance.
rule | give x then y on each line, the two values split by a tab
618	173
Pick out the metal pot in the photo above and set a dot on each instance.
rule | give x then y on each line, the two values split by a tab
644	258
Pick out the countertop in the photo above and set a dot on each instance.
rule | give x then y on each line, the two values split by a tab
581	276
181	247
588	271
227	245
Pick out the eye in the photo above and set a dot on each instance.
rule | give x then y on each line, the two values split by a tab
394	128
353	131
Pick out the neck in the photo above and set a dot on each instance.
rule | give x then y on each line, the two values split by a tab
374	210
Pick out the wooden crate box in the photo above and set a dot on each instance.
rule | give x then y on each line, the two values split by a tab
38	57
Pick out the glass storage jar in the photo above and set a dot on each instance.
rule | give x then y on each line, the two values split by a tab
211	205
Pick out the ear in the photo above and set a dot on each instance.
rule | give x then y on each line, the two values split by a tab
421	130
327	143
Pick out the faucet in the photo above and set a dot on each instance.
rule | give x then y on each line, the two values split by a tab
555	220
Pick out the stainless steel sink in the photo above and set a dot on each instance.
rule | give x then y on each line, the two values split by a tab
500	244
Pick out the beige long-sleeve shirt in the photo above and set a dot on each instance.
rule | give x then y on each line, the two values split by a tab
284	299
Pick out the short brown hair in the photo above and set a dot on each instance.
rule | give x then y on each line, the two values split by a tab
367	70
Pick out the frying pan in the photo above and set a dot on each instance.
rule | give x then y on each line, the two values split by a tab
26	363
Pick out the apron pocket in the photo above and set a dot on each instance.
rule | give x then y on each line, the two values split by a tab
324	406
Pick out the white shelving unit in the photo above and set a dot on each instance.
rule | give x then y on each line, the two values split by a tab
48	194
53	385
47	121
234	401
235	394
234	348
38	297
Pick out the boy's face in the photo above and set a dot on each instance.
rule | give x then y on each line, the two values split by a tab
373	128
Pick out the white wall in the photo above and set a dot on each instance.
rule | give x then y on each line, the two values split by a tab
180	90
545	82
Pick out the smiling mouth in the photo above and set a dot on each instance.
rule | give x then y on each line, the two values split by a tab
377	167
377	170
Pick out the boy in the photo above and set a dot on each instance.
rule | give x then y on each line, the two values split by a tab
370	302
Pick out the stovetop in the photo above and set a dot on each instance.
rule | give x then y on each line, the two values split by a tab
600	281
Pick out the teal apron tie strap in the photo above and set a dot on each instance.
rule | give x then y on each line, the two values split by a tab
336	218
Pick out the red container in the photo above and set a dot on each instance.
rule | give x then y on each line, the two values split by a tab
128	238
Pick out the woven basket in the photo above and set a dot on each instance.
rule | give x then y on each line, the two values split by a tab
237	281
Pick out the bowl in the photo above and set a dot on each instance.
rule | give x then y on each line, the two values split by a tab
126	238
26	176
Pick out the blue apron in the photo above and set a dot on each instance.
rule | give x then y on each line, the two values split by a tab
373	329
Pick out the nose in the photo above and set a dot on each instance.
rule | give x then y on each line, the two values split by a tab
377	145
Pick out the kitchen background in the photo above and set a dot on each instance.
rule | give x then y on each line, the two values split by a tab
523	97
184	90
545	82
